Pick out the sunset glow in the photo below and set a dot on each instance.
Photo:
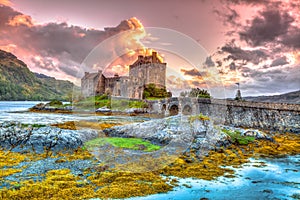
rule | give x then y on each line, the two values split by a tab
248	42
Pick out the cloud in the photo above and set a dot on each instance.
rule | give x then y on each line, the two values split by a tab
232	66
177	83
262	81
192	72
279	61
292	39
21	20
66	44
266	28
260	48
237	53
228	15
209	62
6	2
253	2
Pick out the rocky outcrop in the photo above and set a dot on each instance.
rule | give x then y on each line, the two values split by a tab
176	131
16	137
184	133
42	107
259	135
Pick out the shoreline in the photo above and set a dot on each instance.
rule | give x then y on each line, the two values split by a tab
113	113
208	169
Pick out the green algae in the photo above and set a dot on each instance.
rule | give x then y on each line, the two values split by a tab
128	143
237	138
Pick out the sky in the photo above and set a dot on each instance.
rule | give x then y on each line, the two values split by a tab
252	42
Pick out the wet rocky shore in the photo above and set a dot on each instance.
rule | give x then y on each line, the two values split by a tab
18	138
51	162
187	134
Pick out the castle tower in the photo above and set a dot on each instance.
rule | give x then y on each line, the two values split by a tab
146	70
92	84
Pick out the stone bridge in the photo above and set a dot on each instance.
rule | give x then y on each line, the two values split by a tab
175	105
261	115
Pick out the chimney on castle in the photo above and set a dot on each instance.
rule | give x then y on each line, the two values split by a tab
154	56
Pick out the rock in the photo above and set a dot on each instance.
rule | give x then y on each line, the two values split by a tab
70	108
103	110
134	111
268	191
13	136
249	132
255	133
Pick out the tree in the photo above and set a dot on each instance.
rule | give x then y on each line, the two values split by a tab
200	93
151	90
196	92
184	93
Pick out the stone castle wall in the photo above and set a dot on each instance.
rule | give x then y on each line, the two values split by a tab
145	70
144	74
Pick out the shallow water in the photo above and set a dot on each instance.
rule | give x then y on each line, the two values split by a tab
16	111
278	179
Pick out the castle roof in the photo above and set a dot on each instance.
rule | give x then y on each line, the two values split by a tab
147	59
88	75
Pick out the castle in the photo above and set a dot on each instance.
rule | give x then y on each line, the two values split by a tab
145	70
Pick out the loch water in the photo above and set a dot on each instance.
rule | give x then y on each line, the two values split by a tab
17	111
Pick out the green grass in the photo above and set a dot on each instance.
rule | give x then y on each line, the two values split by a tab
155	98
128	143
137	104
105	101
56	103
125	104
33	125
237	138
94	102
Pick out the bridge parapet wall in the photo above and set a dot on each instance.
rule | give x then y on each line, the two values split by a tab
268	116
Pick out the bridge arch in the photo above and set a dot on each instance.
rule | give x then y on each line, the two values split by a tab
173	109
187	110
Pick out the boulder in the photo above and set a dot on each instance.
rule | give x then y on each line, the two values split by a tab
255	133
14	136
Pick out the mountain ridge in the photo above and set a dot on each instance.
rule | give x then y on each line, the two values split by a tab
290	97
17	82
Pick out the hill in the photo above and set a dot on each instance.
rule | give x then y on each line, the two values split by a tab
291	97
17	82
